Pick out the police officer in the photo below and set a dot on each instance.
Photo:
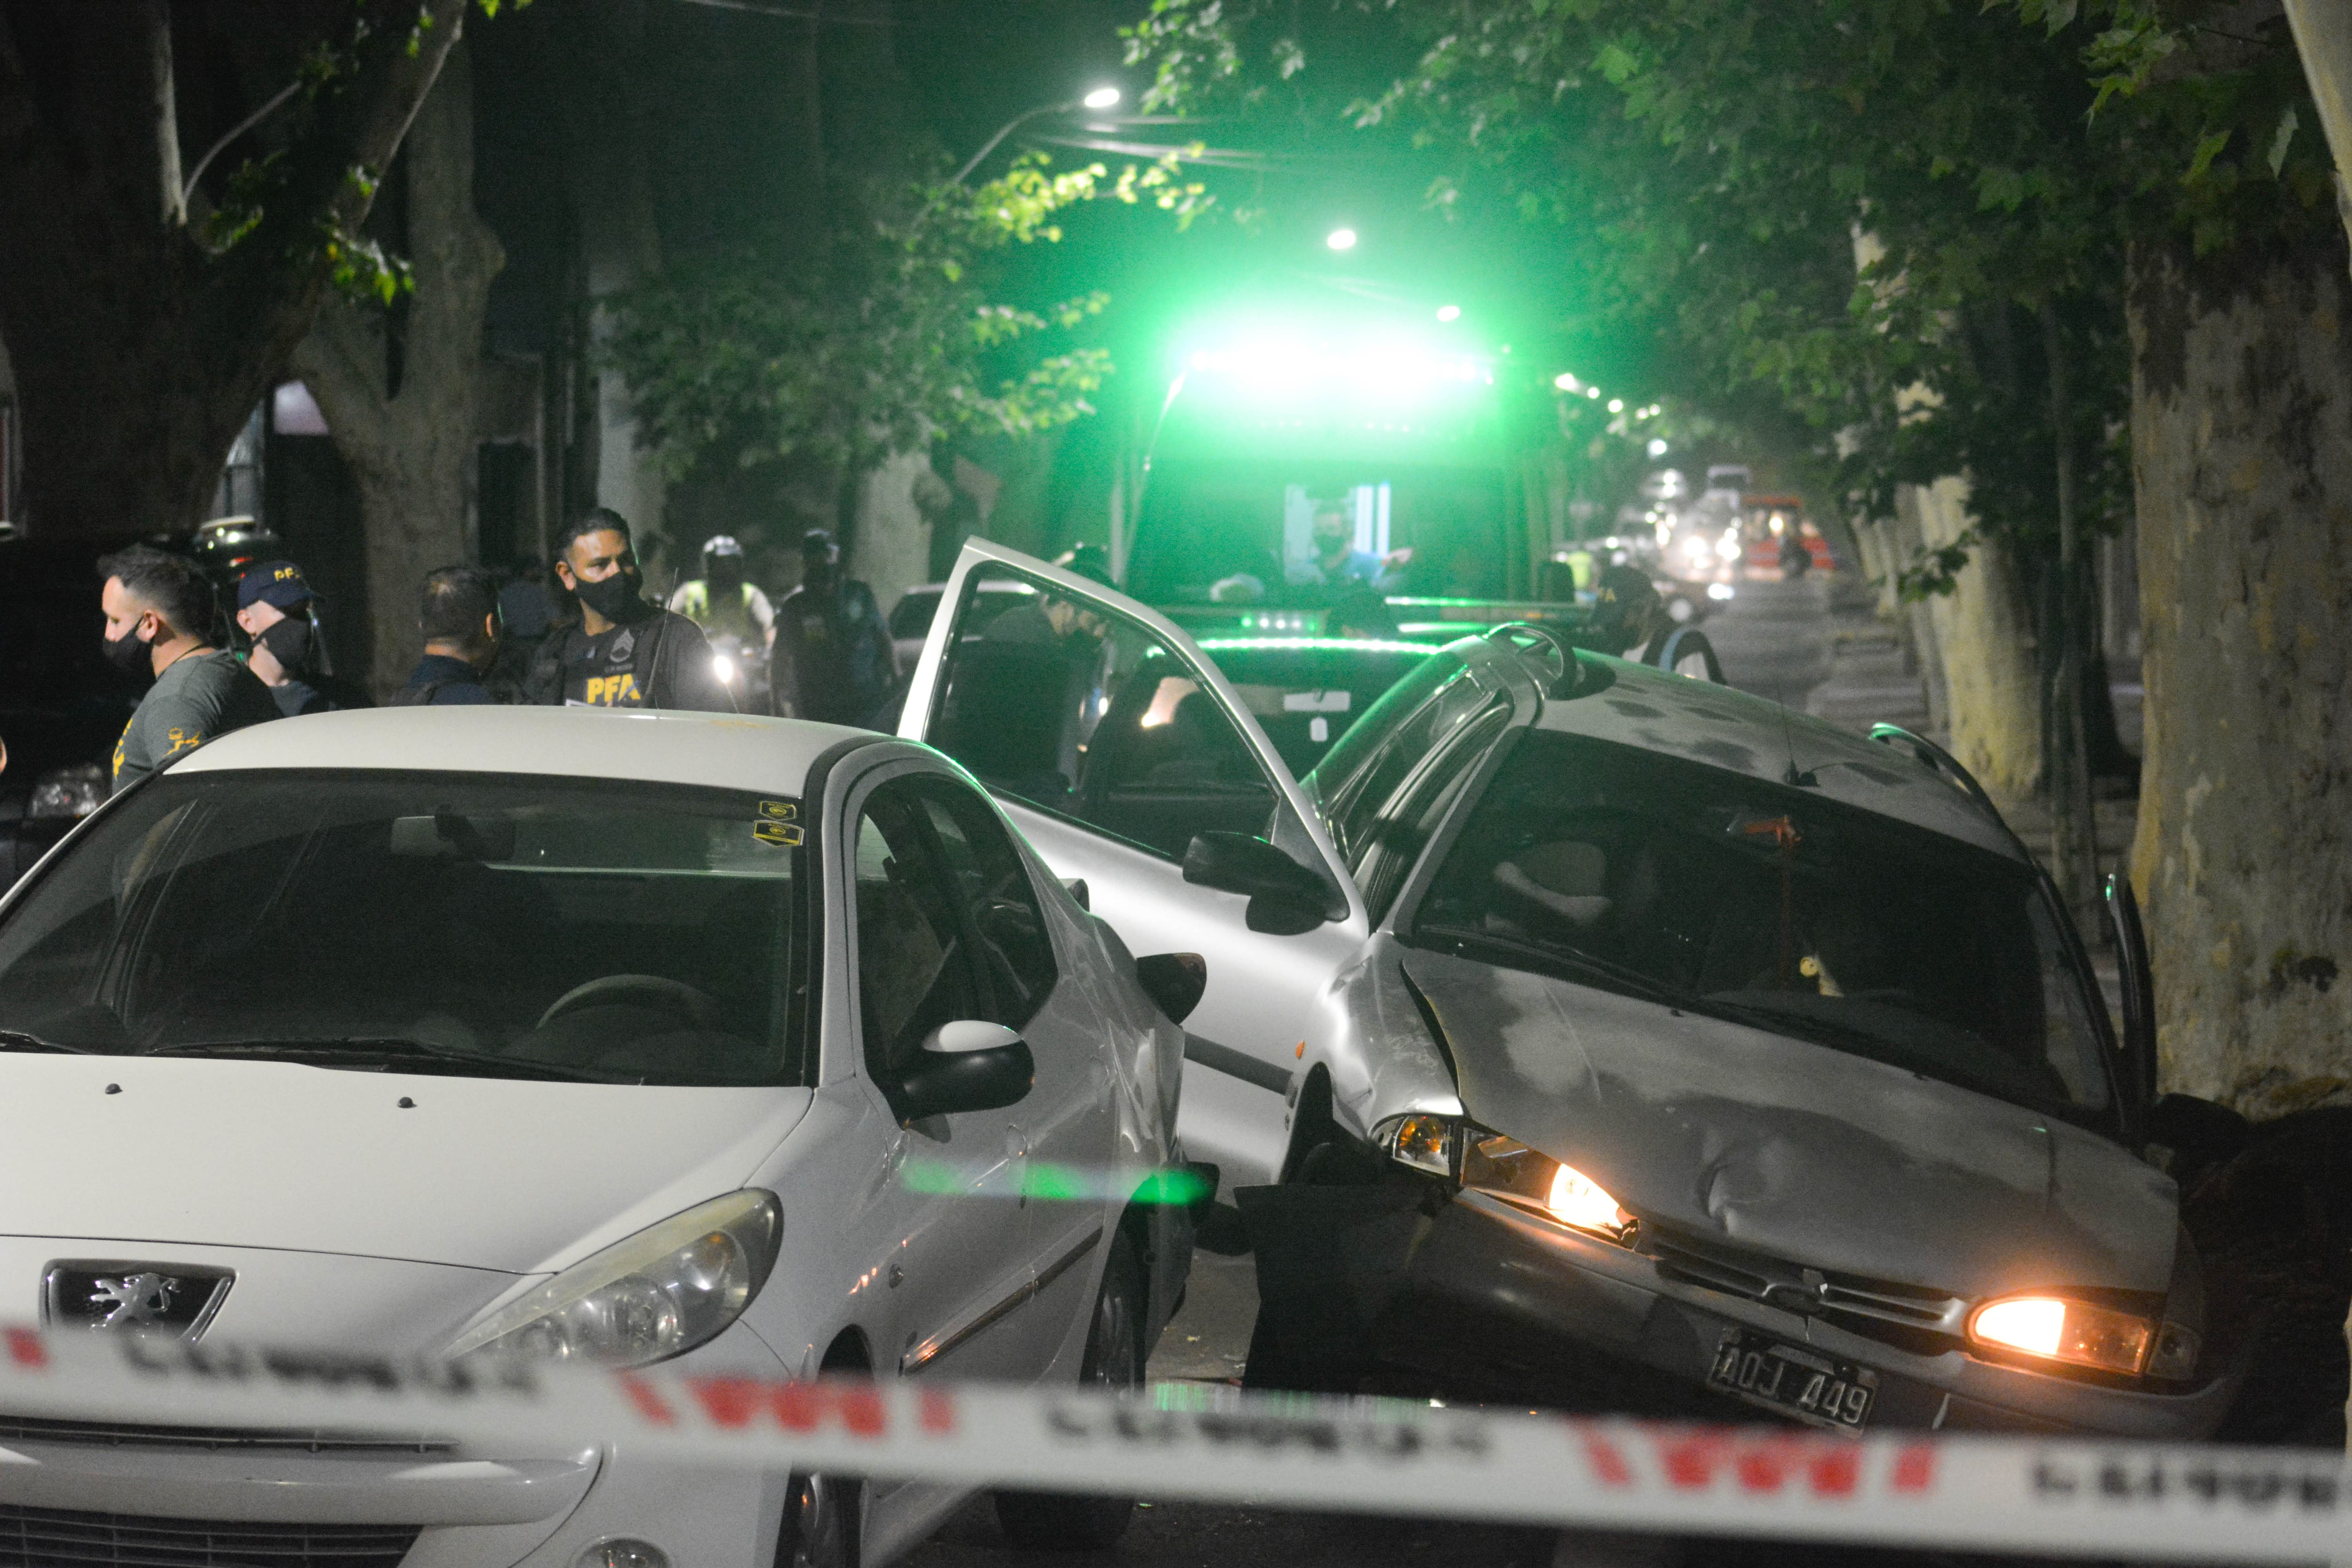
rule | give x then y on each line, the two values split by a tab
833	660
621	651
460	614
722	600
274	606
159	615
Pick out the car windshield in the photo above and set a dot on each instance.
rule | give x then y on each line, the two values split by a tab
1305	691
1723	894
460	922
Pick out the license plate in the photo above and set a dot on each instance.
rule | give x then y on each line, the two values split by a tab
1794	1382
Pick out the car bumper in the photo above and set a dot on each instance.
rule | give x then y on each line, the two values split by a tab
1492	1301
330	1501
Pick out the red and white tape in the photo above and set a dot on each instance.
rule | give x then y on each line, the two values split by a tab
2048	1497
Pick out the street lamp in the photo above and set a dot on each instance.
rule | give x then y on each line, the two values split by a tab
1341	240
1100	97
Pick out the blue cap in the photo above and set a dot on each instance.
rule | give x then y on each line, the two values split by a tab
279	582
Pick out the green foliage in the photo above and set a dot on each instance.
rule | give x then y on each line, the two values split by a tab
876	338
1872	220
269	200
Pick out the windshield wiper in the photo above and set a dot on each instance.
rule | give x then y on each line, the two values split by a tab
378	1052
1622	976
18	1040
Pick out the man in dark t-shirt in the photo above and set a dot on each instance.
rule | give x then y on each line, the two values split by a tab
159	623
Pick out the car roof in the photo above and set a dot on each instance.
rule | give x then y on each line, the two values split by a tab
722	751
1726	727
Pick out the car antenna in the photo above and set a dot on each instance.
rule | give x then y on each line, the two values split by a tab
1793	778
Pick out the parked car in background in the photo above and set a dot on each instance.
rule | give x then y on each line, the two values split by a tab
581	1037
911	616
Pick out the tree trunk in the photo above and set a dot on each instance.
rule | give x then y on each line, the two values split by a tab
2064	648
1984	640
2241	446
137	354
411	448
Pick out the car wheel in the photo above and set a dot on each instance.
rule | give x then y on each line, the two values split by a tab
820	1528
1056	1521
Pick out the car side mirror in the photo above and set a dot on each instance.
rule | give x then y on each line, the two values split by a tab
969	1065
1174	981
1285	897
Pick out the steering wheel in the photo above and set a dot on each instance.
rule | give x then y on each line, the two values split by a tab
643	990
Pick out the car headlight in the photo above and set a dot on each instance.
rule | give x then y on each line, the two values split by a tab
2082	1333
1505	1168
660	1293
69	792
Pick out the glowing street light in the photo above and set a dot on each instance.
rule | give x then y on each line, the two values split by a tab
1449	312
1341	240
1100	97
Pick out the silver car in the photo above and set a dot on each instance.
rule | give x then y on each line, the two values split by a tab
587	1036
1654	1046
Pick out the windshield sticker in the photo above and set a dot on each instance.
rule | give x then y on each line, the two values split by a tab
782	835
779	811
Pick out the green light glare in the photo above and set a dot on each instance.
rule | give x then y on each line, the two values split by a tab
1045	1180
1367	360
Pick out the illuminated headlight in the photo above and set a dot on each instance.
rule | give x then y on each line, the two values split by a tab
660	1293
2081	1333
1505	1168
723	667
1719	591
69	792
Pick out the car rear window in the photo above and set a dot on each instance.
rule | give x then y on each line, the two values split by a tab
1720	893
523	927
1306	692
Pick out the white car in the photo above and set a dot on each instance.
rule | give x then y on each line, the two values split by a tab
614	1037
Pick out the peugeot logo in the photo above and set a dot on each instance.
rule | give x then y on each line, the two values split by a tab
177	1300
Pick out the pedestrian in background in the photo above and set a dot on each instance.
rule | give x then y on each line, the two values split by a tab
833	660
159	615
460	614
622	651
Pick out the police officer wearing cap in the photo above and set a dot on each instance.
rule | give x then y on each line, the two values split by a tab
274	608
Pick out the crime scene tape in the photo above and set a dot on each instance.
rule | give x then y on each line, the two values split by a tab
1178	1441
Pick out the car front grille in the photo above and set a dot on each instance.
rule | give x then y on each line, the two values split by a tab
1911	1317
54	1538
120	1435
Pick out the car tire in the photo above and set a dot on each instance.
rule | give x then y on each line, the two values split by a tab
824	1515
821	1522
1058	1521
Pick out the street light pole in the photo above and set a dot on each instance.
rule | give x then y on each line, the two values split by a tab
1100	97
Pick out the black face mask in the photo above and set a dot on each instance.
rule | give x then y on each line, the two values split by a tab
132	655
618	598
288	642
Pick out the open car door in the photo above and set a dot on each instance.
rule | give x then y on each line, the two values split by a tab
1125	758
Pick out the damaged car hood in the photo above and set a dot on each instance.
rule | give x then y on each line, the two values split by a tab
1785	1147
